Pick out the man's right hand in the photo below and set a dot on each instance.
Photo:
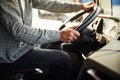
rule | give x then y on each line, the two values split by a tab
68	35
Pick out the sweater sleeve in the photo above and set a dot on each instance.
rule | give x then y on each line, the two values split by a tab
34	35
12	22
55	6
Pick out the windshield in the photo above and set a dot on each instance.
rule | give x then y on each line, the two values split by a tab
112	7
116	8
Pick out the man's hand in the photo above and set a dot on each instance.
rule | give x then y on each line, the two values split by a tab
68	35
88	5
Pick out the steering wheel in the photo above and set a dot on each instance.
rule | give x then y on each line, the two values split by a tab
87	20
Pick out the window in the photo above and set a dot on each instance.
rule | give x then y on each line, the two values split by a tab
116	8
84	1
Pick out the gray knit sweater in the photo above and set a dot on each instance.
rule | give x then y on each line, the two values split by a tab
17	36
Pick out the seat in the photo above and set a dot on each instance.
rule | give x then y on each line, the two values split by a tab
23	74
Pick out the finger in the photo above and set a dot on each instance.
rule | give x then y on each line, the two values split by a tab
91	4
72	37
73	27
67	40
76	33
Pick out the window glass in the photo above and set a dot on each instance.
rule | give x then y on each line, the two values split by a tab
84	1
116	8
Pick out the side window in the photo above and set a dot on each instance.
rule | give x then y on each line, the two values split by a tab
116	8
84	1
55	20
55	16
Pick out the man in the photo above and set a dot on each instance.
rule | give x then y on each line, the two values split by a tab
18	40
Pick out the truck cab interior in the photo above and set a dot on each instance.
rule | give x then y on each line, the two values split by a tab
95	55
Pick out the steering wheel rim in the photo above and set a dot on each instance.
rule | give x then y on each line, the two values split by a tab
89	19
86	21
